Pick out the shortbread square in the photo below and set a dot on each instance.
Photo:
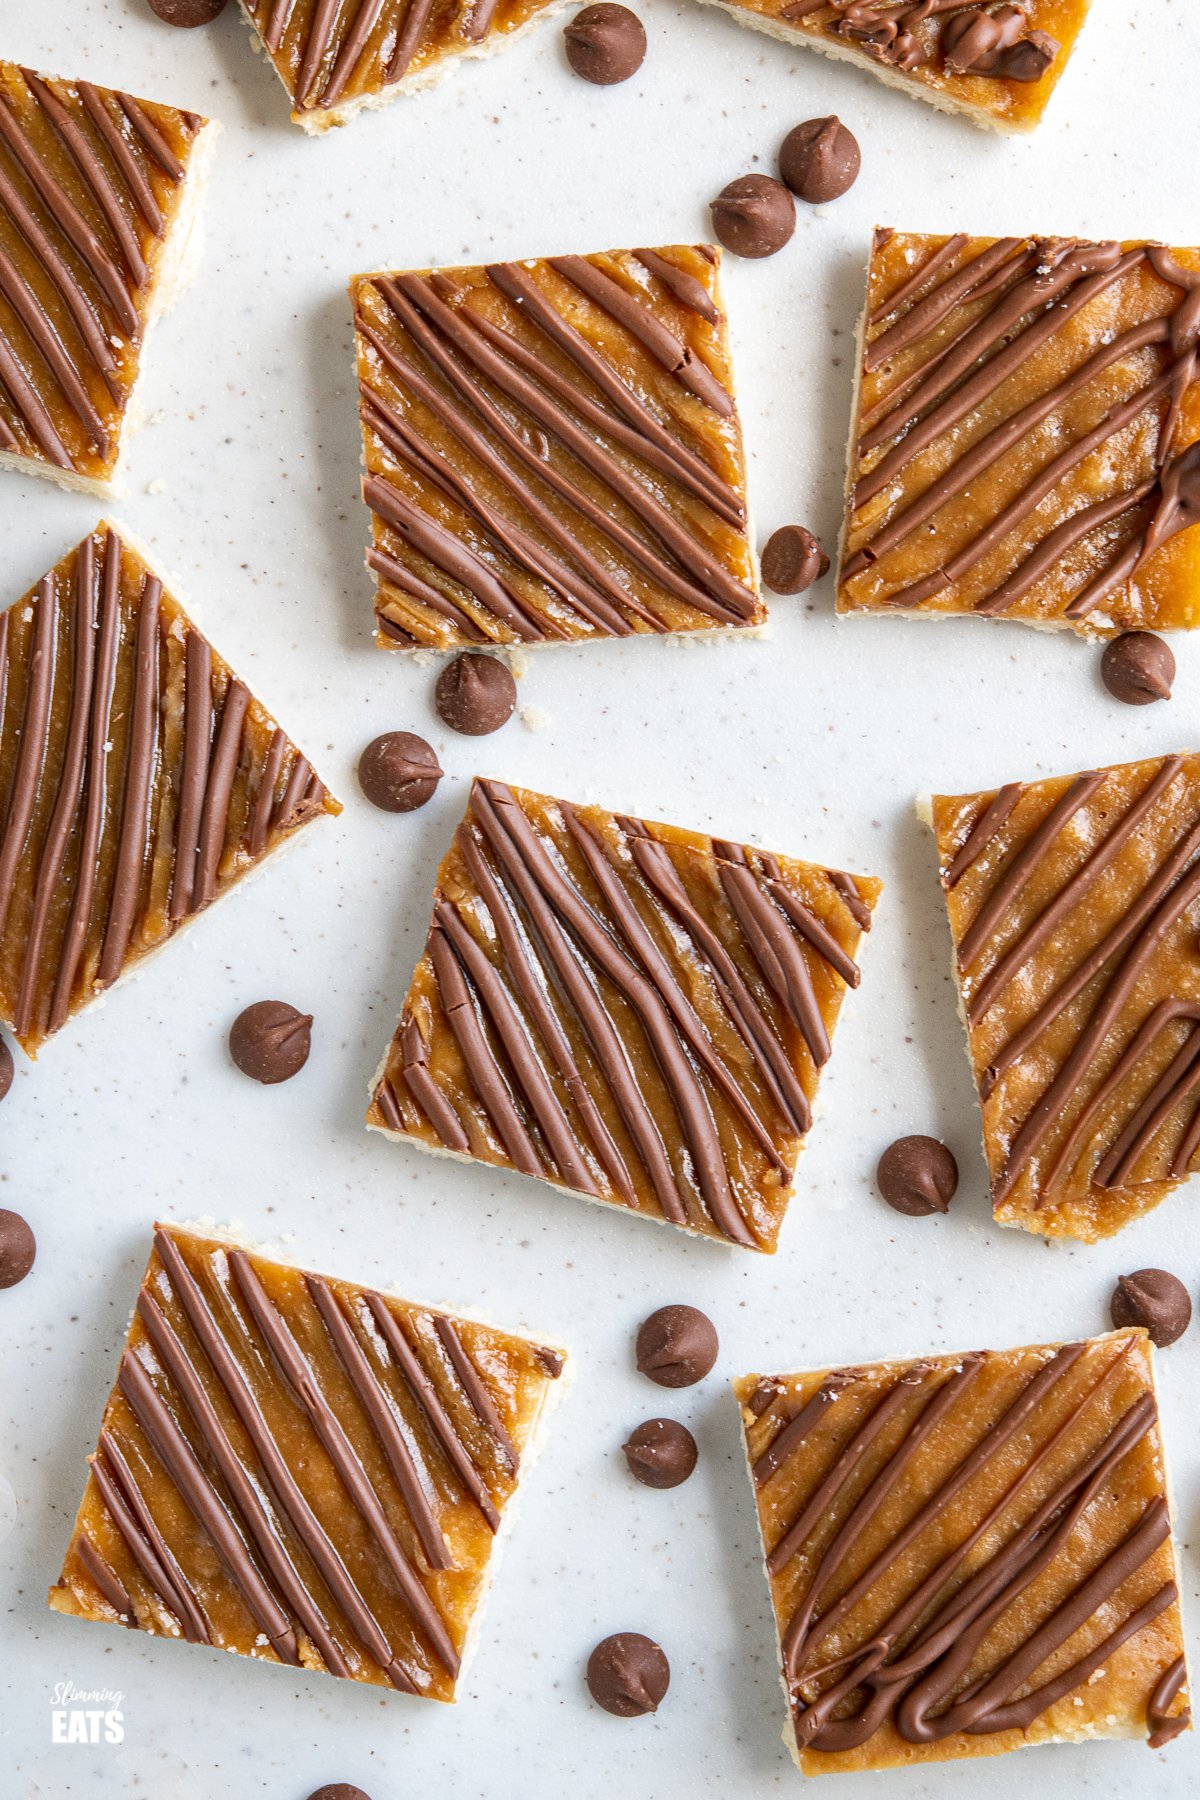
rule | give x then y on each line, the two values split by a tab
968	1554
99	214
303	1470
139	780
553	451
1025	435
632	1012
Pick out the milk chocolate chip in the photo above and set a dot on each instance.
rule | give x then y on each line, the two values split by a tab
270	1041
820	159
1154	1299
676	1346
917	1176
18	1247
754	216
1138	668
187	12
792	560
398	772
627	1674
605	43
661	1453
475	694
6	1067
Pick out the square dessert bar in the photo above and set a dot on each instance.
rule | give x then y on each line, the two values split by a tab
968	1554
302	1470
632	1012
1025	439
335	57
553	451
99	206
997	64
139	779
1071	906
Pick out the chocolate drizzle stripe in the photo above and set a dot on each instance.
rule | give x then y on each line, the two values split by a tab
374	1400
408	42
122	155
197	747
778	955
27	404
1023	866
264	800
983	832
105	1580
222	772
1167	1012
855	905
1163	1725
1053	548
140	755
385	1099
813	930
278	17
413	588
473	1387
1177	1079
681	286
70	786
57	271
281	1481
316	44
796	1430
145	1543
155	144
252	1509
43	334
928	313
87	868
329	1429
1034	935
933	265
478	20
350	53
425	1091
427	1398
31	755
95	177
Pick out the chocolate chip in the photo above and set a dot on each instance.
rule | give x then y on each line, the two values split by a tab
661	1453
475	694
1138	668
339	1790
917	1176
1154	1299
18	1247
627	1674
676	1346
792	560
398	772
270	1041
820	159
6	1067
187	12
605	43
754	216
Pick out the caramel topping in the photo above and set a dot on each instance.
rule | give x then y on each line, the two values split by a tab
300	1470
140	780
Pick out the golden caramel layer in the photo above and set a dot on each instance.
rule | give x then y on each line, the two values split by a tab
553	451
301	1470
633	1012
1026	434
139	779
968	1554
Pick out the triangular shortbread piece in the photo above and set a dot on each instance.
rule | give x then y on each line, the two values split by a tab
303	1470
553	451
139	779
99	207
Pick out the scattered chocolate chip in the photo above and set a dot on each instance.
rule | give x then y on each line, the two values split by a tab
6	1067
792	560
398	772
754	216
917	1176
820	160
1154	1299
676	1346
475	694
605	43
339	1790
661	1453
270	1041
18	1247
187	12
627	1674
1138	667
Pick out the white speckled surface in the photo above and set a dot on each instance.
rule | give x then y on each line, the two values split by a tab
815	740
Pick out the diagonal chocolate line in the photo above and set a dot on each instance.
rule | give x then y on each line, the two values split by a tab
146	1544
141	751
78	233
1052	549
281	1481
668	351
933	265
655	866
517	841
425	1091
1174	511
106	1581
482	1404
75	933
252	1510
408	42
69	786
810	927
60	275
384	1098
795	1430
1023	866
30	410
478	20
522	1057
316	44
527	980
131	170
647	955
777	954
605	1040
411	586
43	334
197	748
278	19
95	177
388	628
1180	1074
264	800
928	313
218	791
373	1397
427	1398
35	724
686	550
1034	935
299	1377
205	1504
487	1076
294	799
153	141
681	286
350	53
